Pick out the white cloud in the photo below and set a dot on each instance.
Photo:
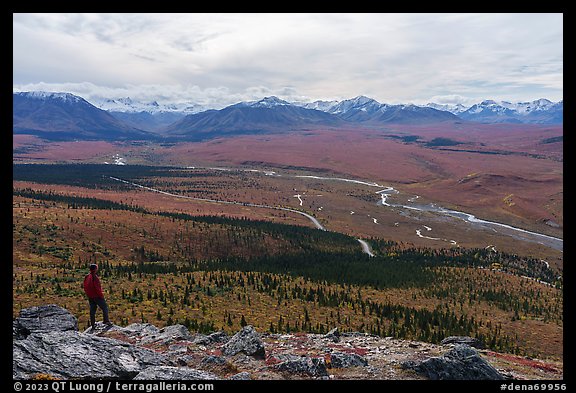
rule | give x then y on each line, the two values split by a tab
220	58
216	98
452	99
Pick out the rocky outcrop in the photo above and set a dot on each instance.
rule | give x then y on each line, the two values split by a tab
71	354
50	318
246	341
345	360
47	343
146	334
462	363
216	337
311	367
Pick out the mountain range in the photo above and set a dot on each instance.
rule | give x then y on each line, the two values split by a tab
267	115
150	116
541	111
369	111
66	116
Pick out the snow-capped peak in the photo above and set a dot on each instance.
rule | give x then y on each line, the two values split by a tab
124	101
541	104
45	95
266	102
518	108
360	103
488	103
129	105
324	106
362	100
453	108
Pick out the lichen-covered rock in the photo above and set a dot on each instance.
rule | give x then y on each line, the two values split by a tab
48	318
138	330
201	339
345	360
461	363
46	343
313	367
213	360
219	337
246	341
216	337
168	335
145	333
71	354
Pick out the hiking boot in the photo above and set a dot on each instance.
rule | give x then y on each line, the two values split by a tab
108	323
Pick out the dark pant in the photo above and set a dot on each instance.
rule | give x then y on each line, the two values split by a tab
94	303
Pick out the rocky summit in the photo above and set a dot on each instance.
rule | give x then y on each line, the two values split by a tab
47	344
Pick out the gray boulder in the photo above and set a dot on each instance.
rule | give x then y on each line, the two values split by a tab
470	341
16	333
460	363
345	360
145	333
219	337
74	355
173	373
216	337
213	360
201	339
314	367
48	318
139	330
246	341
168	335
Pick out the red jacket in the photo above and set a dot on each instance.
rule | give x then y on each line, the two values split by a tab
92	286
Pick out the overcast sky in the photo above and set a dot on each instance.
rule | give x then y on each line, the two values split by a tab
221	59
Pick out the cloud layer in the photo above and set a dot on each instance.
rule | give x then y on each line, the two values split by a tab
219	59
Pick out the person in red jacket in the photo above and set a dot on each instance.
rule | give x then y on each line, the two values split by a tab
93	290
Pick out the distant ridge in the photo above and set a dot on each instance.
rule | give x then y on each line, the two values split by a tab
150	115
540	111
367	110
272	114
67	116
57	115
267	115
